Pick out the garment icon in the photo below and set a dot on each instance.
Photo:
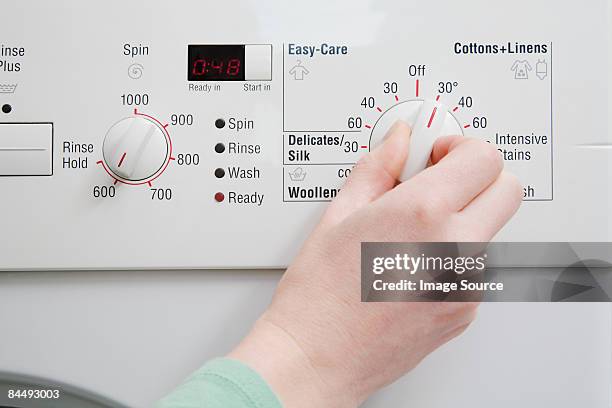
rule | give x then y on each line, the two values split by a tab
299	71
542	69
521	69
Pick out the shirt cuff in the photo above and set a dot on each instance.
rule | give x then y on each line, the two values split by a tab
223	382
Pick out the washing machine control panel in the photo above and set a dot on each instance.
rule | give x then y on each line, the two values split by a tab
193	135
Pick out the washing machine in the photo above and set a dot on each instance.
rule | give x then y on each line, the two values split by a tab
161	163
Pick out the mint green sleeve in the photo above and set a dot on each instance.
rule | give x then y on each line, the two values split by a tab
222	383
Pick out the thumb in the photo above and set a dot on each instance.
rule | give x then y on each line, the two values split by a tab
375	174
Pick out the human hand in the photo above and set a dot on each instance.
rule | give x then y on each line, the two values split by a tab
318	345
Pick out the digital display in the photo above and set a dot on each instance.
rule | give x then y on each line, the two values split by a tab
215	63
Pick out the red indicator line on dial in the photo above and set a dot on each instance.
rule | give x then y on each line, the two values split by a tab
135	111
173	158
150	184
122	159
467	126
396	98
418	83
99	162
438	98
166	126
378	109
115	183
431	118
368	127
456	109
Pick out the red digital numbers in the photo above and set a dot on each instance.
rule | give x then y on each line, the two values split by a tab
233	67
199	67
216	67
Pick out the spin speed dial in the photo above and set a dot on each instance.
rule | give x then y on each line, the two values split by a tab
136	150
428	119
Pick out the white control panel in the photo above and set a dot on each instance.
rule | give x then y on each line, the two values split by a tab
193	134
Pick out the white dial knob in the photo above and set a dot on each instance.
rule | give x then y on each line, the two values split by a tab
136	149
429	121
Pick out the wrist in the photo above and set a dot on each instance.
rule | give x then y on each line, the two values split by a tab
275	355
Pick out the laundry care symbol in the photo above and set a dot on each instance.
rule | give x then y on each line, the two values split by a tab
8	88
299	71
521	69
298	174
135	71
542	69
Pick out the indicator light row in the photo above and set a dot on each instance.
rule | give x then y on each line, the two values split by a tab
219	148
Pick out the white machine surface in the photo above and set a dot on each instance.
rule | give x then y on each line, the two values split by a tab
166	136
133	336
200	135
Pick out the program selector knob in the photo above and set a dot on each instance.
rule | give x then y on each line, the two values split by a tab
136	149
428	119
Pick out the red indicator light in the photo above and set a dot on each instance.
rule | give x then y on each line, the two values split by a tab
219	197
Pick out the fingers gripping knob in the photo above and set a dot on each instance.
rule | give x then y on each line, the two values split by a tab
429	121
135	149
